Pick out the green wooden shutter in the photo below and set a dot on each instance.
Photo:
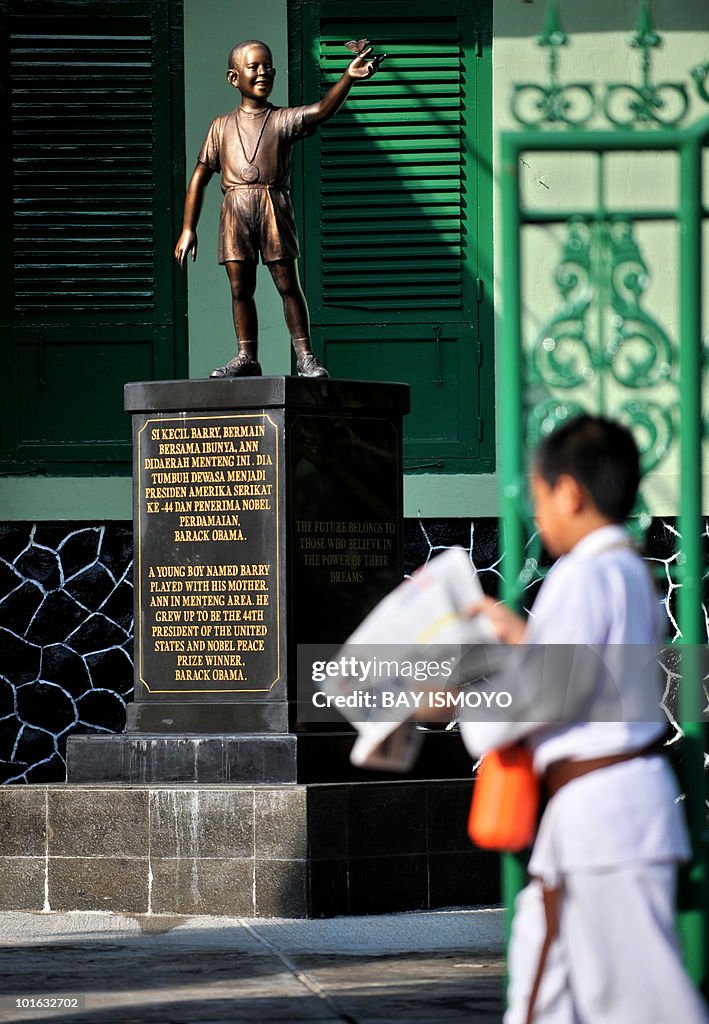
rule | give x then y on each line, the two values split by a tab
92	175
393	234
391	167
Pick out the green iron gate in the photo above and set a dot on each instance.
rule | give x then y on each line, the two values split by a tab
603	349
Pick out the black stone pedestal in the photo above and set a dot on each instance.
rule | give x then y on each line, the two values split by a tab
267	514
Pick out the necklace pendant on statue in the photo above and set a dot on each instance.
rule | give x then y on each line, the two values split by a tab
249	173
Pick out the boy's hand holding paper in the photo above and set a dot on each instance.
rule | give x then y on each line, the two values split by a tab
411	644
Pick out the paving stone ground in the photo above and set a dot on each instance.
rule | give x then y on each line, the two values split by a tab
430	968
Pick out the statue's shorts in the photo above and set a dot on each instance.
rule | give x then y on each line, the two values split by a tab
257	219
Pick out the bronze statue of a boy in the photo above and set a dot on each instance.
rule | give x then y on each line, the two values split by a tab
251	147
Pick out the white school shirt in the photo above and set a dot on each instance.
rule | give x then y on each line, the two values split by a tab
600	593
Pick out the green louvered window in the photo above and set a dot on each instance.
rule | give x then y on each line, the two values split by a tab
93	111
83	180
396	214
403	191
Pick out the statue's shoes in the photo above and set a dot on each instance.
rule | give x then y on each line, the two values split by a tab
239	366
310	366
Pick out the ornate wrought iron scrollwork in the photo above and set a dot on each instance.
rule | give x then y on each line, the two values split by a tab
624	104
647	103
639	352
653	426
700	75
562	356
547	415
572	104
602	349
535	105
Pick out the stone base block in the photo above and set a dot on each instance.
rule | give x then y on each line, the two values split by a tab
200	718
128	758
245	757
240	850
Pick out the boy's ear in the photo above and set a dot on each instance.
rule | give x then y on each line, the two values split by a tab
573	494
232	77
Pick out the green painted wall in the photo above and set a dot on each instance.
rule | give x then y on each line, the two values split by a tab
34	499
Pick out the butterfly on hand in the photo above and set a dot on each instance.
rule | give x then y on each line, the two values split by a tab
357	46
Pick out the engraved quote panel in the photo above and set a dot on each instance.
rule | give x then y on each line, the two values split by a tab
344	519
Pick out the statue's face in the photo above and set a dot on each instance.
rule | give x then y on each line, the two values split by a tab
254	79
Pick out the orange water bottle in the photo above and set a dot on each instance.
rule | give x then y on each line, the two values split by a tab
503	814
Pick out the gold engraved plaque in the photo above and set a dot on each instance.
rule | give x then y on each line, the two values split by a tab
208	554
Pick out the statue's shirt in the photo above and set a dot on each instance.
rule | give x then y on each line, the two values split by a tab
262	140
254	157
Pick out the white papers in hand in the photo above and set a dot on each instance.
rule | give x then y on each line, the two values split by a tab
426	618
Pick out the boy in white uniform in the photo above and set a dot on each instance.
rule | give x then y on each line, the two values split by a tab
603	869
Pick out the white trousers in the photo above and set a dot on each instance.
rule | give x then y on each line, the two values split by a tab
616	957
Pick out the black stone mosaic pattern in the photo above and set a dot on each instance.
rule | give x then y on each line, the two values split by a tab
66	640
66	625
424	538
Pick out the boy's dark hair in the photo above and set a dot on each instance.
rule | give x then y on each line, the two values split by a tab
236	54
601	455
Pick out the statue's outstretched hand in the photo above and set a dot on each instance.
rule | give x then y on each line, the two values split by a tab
365	66
186	243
